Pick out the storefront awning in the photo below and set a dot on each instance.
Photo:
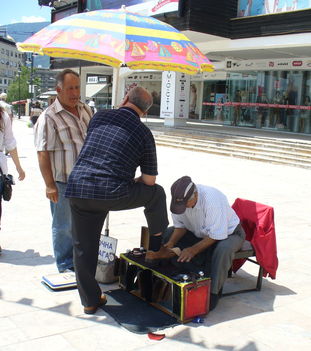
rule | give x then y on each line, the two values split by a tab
94	89
19	102
49	93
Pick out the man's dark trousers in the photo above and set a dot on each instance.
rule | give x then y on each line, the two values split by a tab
88	218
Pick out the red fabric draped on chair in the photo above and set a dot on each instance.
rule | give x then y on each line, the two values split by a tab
258	222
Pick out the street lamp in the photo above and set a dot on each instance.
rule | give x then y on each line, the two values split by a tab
19	91
31	90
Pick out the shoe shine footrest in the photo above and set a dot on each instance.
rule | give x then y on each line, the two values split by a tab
165	287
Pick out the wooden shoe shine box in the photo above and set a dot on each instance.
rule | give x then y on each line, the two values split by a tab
165	288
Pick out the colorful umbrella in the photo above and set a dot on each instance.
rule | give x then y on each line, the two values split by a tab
116	37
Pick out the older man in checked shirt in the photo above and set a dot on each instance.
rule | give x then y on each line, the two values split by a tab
59	136
102	180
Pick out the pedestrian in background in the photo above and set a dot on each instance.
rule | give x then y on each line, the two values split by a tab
8	141
35	112
7	107
92	106
59	136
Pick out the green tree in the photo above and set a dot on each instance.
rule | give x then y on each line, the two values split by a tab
19	88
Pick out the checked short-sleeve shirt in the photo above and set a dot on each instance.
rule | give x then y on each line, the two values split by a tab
117	143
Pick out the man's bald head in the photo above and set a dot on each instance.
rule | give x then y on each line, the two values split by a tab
141	98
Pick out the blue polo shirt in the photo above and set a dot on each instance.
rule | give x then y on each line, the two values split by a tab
117	142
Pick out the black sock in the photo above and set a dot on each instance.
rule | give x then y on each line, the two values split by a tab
155	242
214	298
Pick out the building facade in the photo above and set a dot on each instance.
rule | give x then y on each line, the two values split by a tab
46	78
10	61
261	51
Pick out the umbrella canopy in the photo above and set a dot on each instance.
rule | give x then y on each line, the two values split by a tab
116	37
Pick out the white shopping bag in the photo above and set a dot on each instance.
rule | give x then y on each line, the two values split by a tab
106	257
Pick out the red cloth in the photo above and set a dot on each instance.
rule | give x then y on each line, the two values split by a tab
258	222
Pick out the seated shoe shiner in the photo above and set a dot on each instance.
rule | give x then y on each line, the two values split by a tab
205	226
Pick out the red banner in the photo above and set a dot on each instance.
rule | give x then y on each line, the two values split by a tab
256	104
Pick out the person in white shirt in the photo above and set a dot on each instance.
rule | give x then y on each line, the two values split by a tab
204	225
92	106
8	141
7	108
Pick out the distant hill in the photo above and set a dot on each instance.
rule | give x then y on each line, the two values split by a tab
21	31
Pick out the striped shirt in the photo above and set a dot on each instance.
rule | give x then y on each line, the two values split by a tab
117	143
212	216
62	134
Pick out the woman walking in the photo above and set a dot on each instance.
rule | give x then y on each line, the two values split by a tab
8	142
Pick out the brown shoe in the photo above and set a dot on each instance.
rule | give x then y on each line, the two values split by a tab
154	257
93	309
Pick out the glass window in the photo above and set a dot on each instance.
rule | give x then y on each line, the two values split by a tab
214	91
242	91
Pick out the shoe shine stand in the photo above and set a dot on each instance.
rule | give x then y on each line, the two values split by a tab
182	295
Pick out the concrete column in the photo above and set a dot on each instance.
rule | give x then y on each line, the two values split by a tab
83	83
175	98
118	87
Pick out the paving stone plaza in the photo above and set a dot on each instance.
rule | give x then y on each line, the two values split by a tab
276	318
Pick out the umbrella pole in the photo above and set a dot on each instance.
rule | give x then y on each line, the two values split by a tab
115	87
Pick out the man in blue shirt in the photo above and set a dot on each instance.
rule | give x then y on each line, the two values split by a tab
103	180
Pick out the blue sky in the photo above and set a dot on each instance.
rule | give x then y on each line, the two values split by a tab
23	11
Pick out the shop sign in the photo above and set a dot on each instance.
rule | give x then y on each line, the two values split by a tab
297	63
277	65
168	94
92	80
182	95
282	64
144	77
217	75
197	77
142	7
95	79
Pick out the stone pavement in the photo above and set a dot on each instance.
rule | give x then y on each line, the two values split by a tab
277	318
